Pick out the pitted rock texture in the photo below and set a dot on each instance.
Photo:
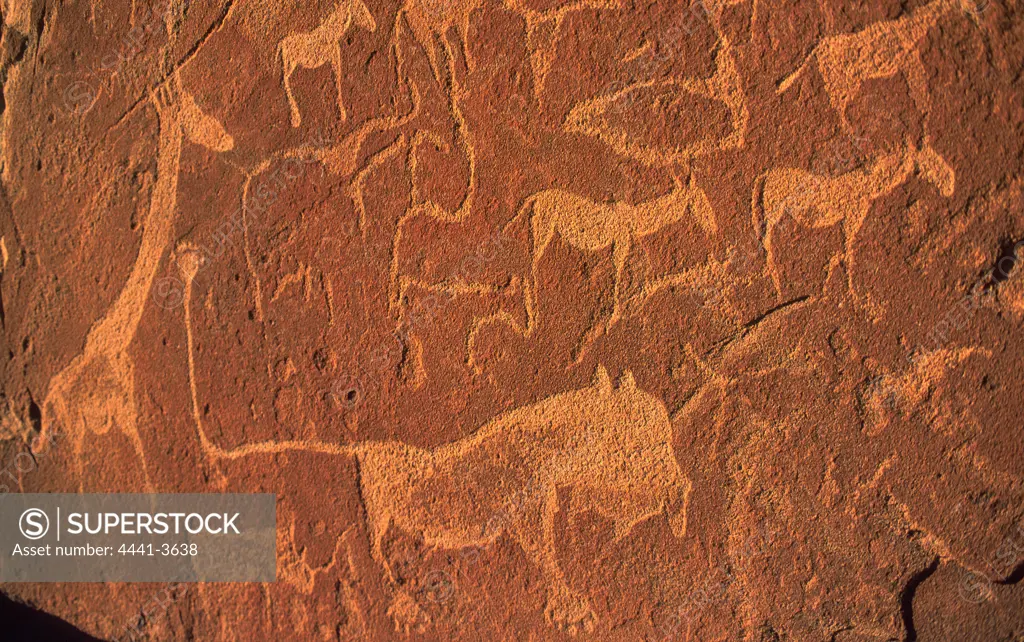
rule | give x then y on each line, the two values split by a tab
544	320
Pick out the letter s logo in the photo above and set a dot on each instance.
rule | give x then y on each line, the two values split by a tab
34	524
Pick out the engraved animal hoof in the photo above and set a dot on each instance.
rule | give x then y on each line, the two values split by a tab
570	613
407	615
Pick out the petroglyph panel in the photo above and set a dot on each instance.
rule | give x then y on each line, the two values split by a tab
542	319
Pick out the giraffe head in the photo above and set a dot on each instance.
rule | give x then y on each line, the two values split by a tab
198	126
203	129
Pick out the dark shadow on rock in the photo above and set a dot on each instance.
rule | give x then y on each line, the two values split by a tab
907	599
22	623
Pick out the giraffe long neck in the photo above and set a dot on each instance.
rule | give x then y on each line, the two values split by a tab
123	319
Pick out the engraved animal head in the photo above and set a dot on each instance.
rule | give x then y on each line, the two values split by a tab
362	16
686	200
198	126
678	497
203	129
627	400
637	430
636	450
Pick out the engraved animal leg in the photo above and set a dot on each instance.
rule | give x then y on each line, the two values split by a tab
377	533
378	520
788	81
917	80
435	54
729	85
370	587
841	82
351	593
769	218
620	254
850	236
403	611
543	227
676	505
336	66
850	230
841	103
934	169
773	268
287	67
535	531
361	15
758	218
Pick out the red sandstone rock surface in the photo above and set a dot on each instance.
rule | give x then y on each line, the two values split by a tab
544	320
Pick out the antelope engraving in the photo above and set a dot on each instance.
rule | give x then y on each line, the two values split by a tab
97	389
821	201
314	49
592	227
431	20
612	447
881	50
